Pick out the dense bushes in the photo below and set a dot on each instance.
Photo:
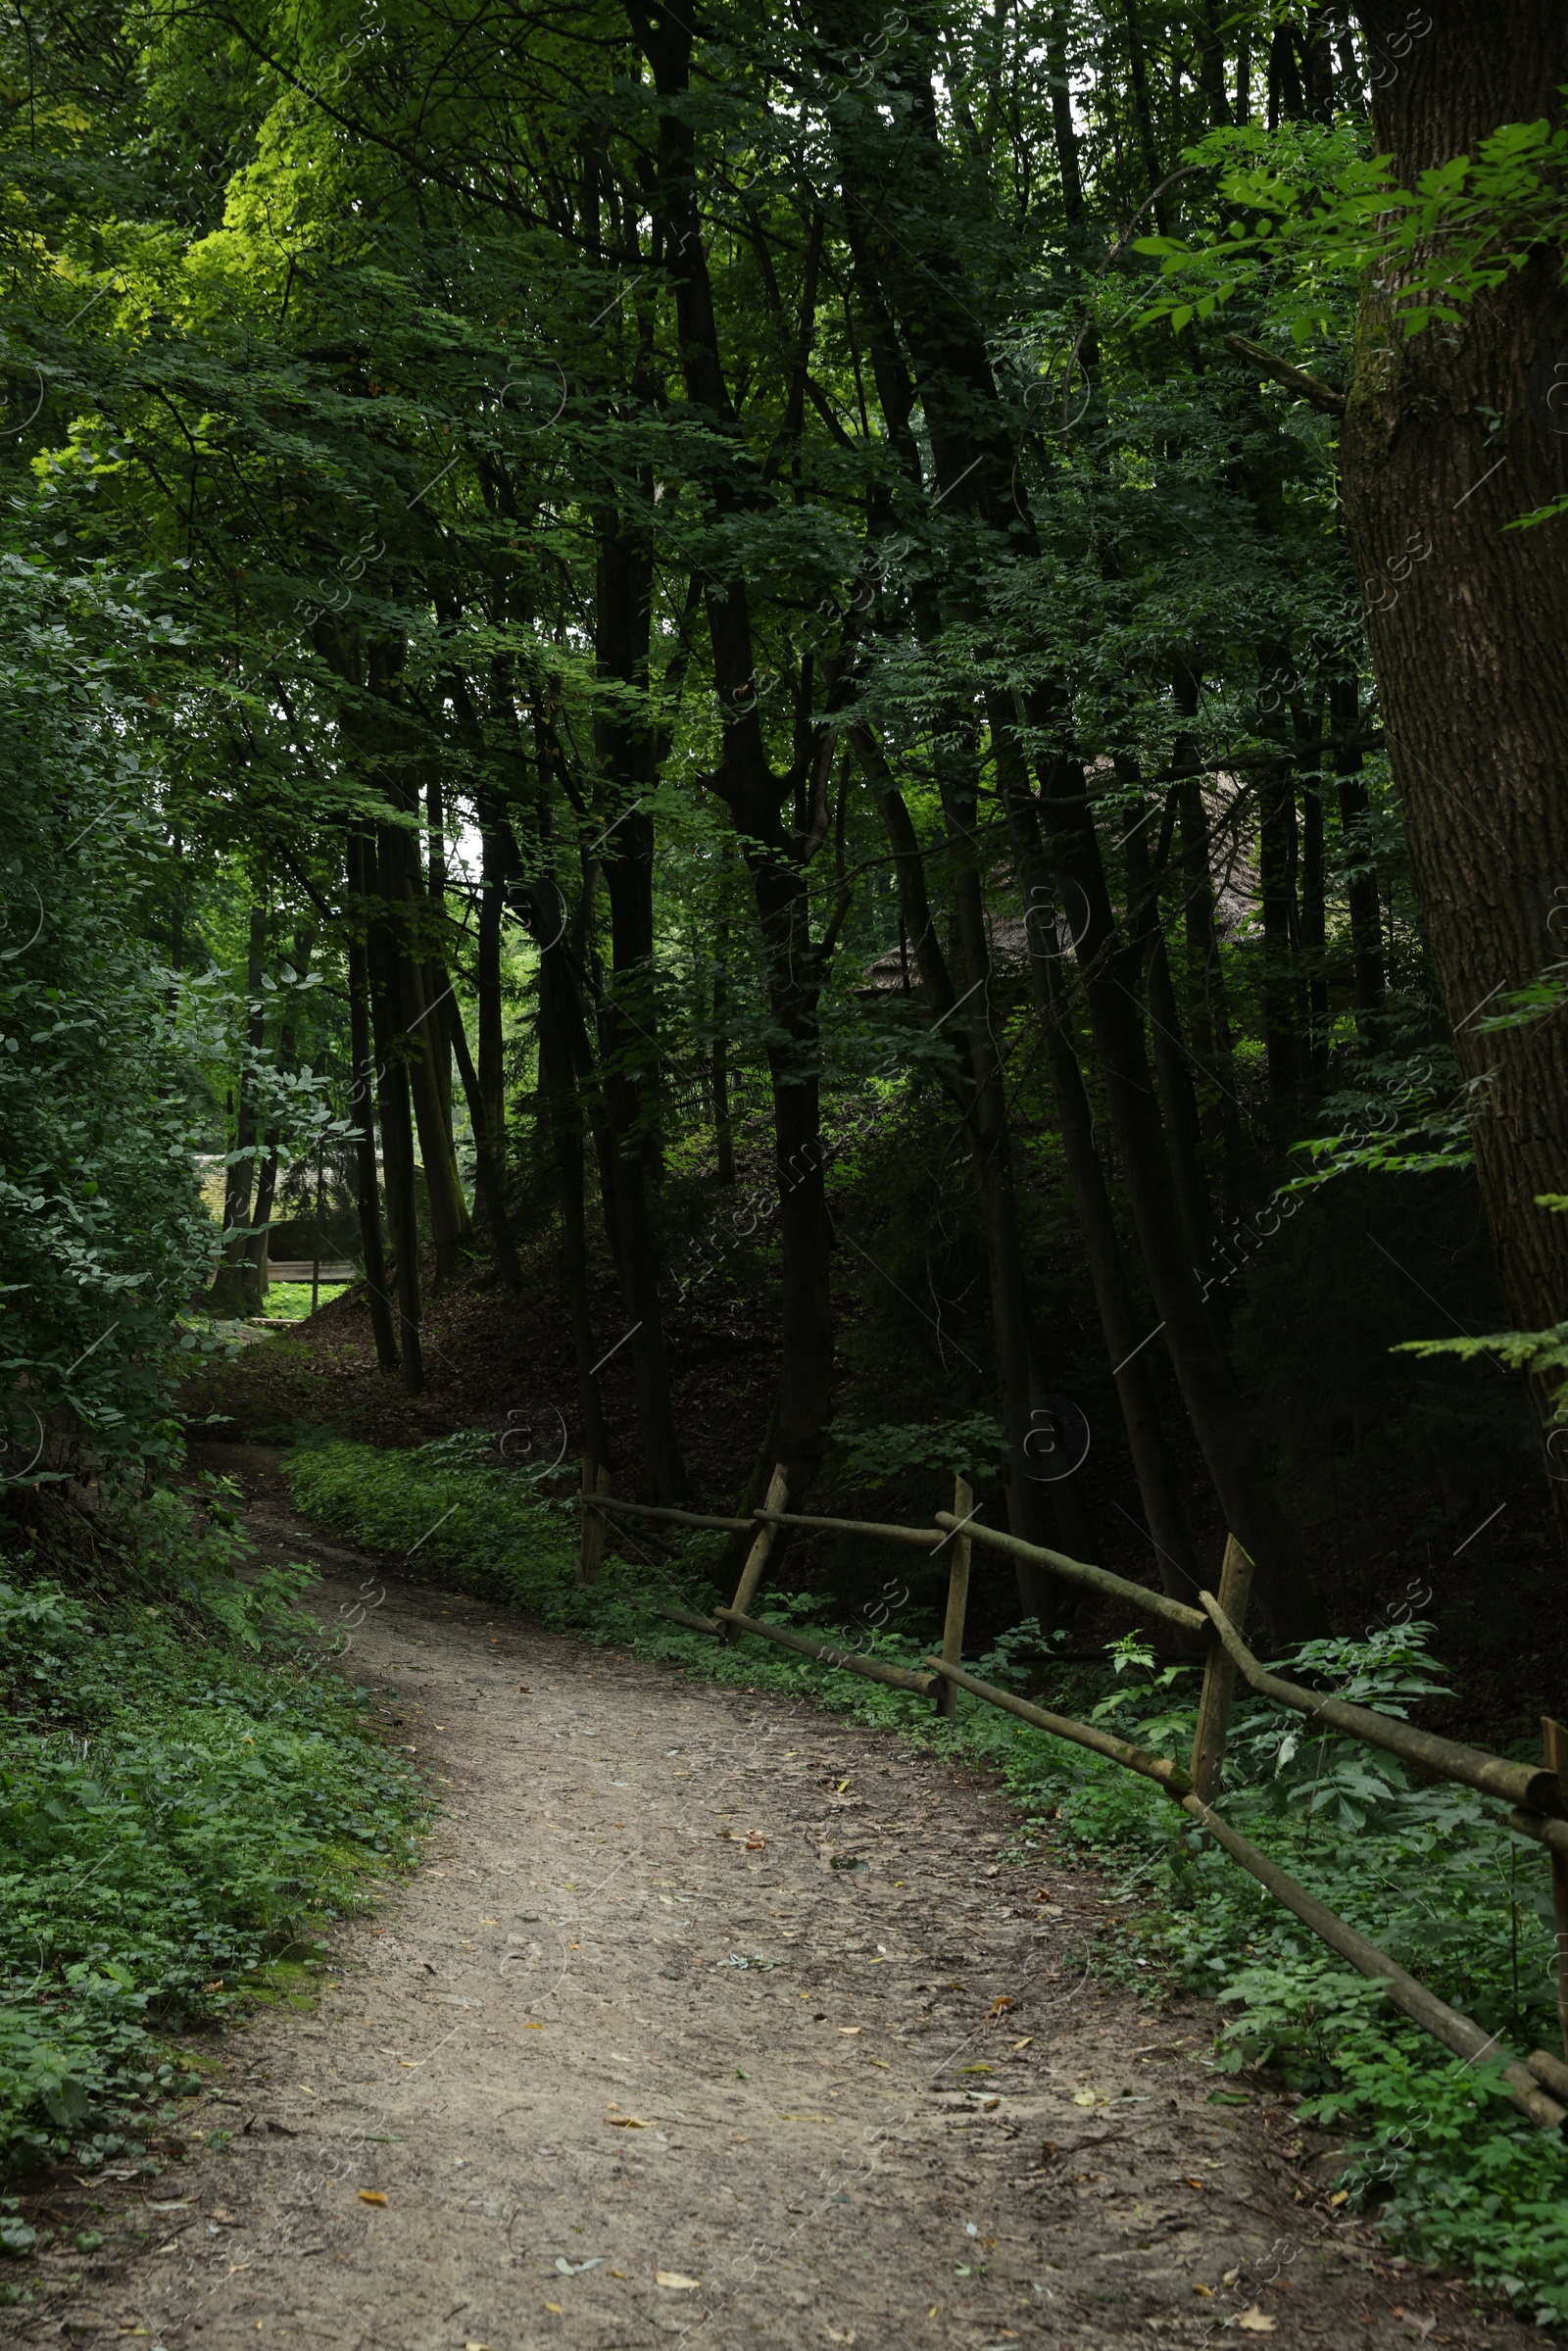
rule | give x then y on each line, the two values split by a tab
180	1797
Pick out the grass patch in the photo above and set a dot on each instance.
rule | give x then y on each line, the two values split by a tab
181	1800
291	1301
1428	1874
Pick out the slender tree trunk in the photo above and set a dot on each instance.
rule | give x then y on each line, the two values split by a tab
1362	882
233	1286
775	849
1221	1422
1121	1320
384	1328
1314	928
451	1226
1468	646
564	1111
397	1141
256	1247
436	889
1062	121
492	1044
1040	1505
723	1133
629	1017
1172	1070
486	1175
1032	1501
1276	863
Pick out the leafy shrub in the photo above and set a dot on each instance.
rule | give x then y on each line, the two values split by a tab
180	1797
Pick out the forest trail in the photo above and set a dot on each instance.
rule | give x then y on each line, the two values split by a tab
628	2060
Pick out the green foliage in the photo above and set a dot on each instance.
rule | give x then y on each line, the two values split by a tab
972	1447
1311	214
102	1233
180	1796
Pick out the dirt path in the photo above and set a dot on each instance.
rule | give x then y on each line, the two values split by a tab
629	2059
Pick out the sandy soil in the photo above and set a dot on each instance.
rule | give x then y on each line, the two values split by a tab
708	2019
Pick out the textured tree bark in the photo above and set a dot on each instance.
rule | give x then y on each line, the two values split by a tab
1448	435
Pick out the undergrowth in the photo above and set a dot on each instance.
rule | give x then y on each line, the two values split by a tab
183	1804
1428	1874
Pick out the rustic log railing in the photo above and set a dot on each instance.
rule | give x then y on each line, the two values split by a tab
1536	1794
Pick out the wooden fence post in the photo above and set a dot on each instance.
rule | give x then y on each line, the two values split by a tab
778	1494
1556	1741
957	1600
1219	1676
594	1528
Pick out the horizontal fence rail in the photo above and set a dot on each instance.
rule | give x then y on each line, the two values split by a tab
1537	1794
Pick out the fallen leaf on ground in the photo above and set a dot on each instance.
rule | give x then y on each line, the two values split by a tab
1024	2043
372	2195
1256	2321
1188	2181
998	2007
1343	2196
848	2028
554	2306
1083	2097
627	2122
531	2026
675	2279
1206	2291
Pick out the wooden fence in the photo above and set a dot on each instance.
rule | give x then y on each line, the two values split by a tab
1536	1794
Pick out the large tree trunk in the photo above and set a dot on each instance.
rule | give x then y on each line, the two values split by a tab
1471	618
